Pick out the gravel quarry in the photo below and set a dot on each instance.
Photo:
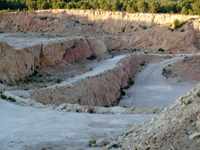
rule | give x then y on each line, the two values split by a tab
65	89
59	130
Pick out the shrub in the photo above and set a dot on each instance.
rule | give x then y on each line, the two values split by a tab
77	21
43	18
143	64
144	27
177	24
188	102
198	94
92	142
35	73
1	31
182	30
3	97
74	46
123	29
123	92
11	99
92	57
91	110
161	50
78	110
58	81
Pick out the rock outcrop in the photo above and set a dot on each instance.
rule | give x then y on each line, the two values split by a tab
16	64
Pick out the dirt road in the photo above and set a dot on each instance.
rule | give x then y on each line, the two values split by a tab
152	89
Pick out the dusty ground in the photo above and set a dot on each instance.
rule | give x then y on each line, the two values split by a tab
22	40
152	89
33	129
188	68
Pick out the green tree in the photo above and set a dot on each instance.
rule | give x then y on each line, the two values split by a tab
184	10
142	6
177	23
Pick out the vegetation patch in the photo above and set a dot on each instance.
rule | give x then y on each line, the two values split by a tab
43	18
143	63
91	110
3	97
74	46
58	81
123	29
198	94
176	23
92	57
188	102
161	50
91	143
11	99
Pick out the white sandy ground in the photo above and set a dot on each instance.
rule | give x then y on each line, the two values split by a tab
152	89
23	128
19	40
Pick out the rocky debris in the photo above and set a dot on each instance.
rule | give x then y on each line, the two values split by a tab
164	130
101	142
197	134
22	98
107	110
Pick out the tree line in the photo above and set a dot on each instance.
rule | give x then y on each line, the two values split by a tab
191	7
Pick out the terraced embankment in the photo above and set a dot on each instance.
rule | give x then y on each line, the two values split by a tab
56	41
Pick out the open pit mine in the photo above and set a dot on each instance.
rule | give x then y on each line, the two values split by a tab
91	80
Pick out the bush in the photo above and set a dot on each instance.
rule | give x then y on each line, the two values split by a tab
91	110
92	57
123	29
11	99
3	97
161	50
182	30
58	81
92	143
123	92
177	24
144	27
77	21
198	94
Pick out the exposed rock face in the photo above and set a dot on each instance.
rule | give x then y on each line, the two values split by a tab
119	30
111	22
71	51
100	90
16	64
